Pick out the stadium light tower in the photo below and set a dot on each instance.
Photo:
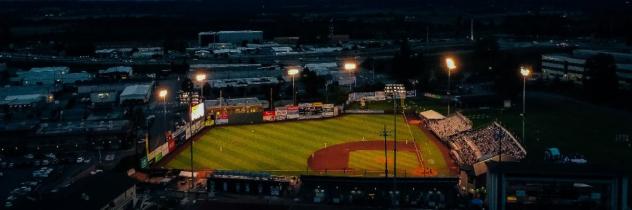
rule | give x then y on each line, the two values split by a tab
201	78
163	95
292	72
451	65
525	72
396	91
351	68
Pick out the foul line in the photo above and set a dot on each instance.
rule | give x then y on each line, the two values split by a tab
418	152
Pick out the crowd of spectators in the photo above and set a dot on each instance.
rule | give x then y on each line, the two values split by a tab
449	126
471	147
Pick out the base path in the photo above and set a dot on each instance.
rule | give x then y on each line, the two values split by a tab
336	157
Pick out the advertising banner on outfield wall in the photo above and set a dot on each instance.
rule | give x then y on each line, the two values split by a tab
280	113
197	126
268	116
292	112
310	110
170	141
328	110
222	118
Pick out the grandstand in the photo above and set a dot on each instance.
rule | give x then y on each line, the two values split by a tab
454	124
470	147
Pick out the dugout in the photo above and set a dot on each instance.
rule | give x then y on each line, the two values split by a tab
424	192
247	184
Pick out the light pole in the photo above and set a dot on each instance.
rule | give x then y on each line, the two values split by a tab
451	65
163	95
395	90
351	68
292	72
201	78
525	73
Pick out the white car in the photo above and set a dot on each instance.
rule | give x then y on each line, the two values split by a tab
80	160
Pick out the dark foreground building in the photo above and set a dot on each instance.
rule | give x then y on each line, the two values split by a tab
556	186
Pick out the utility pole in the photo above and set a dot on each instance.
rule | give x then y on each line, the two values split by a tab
271	100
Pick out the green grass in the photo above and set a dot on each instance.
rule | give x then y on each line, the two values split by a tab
284	147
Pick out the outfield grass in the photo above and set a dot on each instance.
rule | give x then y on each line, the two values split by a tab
284	147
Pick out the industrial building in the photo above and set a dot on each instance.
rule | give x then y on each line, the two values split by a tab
570	67
554	186
25	97
49	76
235	37
136	93
243	82
117	72
235	71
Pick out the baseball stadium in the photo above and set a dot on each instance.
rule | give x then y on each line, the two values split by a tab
346	145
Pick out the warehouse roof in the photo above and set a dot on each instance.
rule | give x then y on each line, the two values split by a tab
136	90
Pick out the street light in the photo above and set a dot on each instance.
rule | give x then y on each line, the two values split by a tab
525	73
351	68
451	65
292	72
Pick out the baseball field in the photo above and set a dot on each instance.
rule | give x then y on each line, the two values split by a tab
347	145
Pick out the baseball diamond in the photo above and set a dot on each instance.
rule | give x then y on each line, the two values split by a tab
349	144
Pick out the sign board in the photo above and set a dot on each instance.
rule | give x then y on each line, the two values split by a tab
280	113
222	117
292	112
197	111
268	116
328	110
170	141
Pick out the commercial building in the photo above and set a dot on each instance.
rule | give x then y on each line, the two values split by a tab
555	186
25	97
109	190
114	53
279	50
234	71
117	72
148	52
570	67
235	37
49	76
322	69
243	82
136	93
103	99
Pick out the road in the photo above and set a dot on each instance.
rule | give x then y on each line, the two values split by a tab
389	51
